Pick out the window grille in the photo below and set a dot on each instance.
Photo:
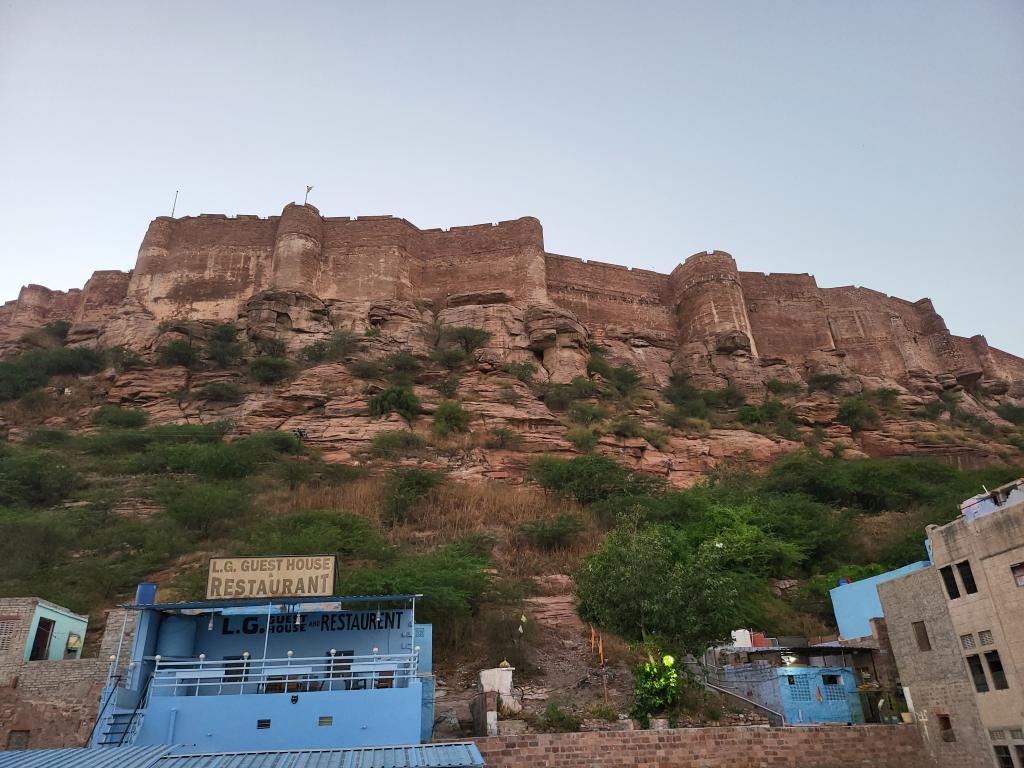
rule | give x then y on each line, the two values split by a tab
7	628
1017	734
967	641
834	691
985	636
997	734
801	688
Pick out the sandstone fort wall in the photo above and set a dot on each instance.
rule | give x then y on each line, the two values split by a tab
206	267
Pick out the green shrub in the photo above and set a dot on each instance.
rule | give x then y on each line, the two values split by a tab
503	438
372	332
581	387
583	440
295	472
365	369
552	533
119	418
450	357
270	370
268	346
780	387
22	374
623	379
338	346
45	436
395	399
58	330
886	397
657	687
1012	413
524	371
339	474
406	488
215	460
126	359
221	392
828	382
448	387
584	413
626	426
450	417
402	367
397	442
178	352
557	397
554	719
206	508
509	395
35	478
316	532
589	478
857	413
466	337
222	346
727	397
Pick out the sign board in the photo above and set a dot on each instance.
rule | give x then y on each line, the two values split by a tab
254	577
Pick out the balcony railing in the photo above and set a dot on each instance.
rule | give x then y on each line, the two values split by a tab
219	677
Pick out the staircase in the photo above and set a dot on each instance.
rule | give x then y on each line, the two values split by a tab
116	729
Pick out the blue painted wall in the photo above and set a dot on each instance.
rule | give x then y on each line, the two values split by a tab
216	723
800	687
856	604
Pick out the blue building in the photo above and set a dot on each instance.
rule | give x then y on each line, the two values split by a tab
856	603
816	684
340	680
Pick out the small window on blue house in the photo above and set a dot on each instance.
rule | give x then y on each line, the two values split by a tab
950	581
834	690
262	725
325	720
967	577
801	687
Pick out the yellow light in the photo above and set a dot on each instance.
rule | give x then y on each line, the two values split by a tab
667	660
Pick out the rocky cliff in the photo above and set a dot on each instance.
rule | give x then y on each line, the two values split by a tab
775	339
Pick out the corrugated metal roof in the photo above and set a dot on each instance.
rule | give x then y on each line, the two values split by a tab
120	757
454	755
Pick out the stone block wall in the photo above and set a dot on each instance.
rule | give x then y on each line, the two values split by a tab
879	746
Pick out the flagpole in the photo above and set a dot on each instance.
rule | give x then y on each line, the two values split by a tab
175	204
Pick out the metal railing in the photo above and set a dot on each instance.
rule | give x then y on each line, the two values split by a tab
236	676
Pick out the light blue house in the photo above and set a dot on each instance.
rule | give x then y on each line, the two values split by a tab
856	603
804	685
275	675
54	633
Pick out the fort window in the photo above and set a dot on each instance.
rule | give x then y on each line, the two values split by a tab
6	634
1018	573
946	728
985	637
1003	757
921	633
967	577
950	581
995	669
977	673
967	641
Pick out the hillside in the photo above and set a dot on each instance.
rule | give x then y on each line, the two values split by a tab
534	443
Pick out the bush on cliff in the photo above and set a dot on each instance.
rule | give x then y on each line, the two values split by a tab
31	370
858	414
469	339
315	532
35	478
221	392
405	489
338	346
270	370
178	352
589	478
396	442
119	418
450	417
395	399
222	346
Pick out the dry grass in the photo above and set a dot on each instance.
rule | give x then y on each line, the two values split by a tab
453	511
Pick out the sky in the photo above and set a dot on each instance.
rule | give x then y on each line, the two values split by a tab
870	143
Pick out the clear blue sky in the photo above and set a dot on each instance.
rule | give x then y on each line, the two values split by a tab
875	143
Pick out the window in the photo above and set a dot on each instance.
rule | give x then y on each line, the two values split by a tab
1017	734
1003	757
235	669
967	641
1020	754
1018	573
946	728
6	634
921	633
262	725
801	690
950	581
18	739
995	668
967	577
977	673
830	679
985	636
325	720
997	734
41	643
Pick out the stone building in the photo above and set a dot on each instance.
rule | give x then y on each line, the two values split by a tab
957	630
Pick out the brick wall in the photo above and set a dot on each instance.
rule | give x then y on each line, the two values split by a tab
879	746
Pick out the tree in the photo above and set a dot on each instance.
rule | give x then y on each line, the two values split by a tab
223	347
643	584
466	337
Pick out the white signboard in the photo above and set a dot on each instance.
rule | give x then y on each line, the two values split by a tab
254	577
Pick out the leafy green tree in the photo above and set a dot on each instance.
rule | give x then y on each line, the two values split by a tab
223	346
405	489
121	418
207	508
178	352
857	413
221	392
450	417
466	337
318	531
35	478
396	442
270	370
589	478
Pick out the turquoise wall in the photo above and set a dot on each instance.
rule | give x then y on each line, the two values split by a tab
65	623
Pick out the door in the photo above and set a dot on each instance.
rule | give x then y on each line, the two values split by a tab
41	642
